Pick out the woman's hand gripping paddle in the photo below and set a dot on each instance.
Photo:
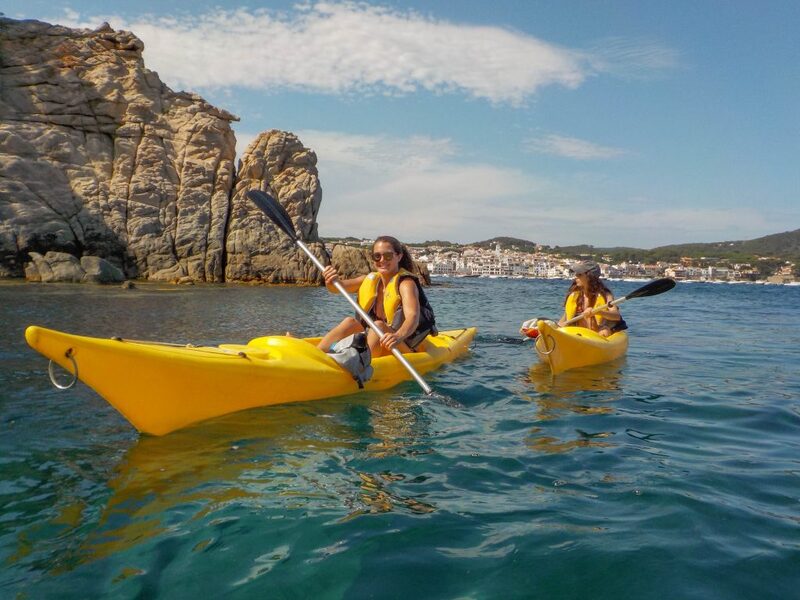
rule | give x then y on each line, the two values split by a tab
658	286
281	219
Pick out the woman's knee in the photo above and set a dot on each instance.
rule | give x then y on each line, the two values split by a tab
349	325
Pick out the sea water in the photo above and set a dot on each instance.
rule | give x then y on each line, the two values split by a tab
672	473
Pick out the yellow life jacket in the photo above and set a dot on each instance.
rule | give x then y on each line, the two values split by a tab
368	293
571	306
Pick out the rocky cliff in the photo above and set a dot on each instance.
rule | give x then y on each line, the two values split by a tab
98	158
256	250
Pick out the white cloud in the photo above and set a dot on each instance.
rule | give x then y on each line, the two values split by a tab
415	187
379	152
349	47
631	58
570	147
420	188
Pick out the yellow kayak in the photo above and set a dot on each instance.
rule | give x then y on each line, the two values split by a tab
564	348
163	387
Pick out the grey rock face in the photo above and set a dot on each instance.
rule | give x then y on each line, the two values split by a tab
62	267
98	270
351	262
54	267
278	163
98	157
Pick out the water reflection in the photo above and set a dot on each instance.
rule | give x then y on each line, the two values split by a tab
540	442
377	496
255	458
587	391
597	378
271	460
399	424
399	427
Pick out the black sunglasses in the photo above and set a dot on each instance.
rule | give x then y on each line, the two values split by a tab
387	256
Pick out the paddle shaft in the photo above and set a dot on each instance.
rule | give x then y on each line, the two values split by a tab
372	324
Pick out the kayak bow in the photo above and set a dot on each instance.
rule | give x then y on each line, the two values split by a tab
564	348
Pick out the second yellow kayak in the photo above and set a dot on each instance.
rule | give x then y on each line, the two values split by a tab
564	348
163	387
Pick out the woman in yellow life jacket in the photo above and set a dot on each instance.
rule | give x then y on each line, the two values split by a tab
585	294
393	298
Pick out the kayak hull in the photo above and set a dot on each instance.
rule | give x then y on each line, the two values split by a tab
564	348
160	388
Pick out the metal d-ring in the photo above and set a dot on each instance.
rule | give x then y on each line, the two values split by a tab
67	354
545	351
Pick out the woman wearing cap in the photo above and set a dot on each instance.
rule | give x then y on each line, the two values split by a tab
588	293
393	298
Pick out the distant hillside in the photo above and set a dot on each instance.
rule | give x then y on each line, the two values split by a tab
778	245
348	239
431	243
616	254
765	253
507	243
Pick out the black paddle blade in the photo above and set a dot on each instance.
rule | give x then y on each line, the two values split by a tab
274	211
659	286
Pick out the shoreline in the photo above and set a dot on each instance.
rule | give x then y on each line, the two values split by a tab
144	283
630	279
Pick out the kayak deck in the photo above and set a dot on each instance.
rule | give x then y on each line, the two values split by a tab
161	387
564	348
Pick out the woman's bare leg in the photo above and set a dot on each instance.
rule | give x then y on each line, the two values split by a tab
374	341
347	327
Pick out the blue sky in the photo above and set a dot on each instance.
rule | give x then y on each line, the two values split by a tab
637	123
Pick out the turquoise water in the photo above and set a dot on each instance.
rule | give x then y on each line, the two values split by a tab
674	473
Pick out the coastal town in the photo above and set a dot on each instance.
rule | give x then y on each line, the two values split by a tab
500	262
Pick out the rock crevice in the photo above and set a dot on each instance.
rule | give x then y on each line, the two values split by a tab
99	158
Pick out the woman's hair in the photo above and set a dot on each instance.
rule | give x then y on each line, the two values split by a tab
595	287
405	262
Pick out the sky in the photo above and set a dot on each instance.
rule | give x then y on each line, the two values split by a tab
618	123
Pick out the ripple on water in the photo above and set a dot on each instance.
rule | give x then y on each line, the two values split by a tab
673	472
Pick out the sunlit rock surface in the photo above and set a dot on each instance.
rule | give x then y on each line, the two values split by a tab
99	158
